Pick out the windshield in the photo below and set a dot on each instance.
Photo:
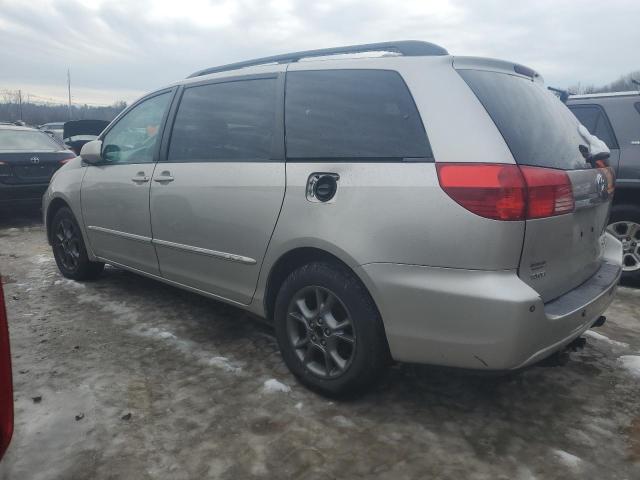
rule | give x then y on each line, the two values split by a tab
27	140
538	128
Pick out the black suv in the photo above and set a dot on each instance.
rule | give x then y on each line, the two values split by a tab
615	119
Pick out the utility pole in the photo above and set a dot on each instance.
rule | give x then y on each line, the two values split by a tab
20	104
69	88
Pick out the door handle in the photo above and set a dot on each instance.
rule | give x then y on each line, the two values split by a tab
164	177
140	178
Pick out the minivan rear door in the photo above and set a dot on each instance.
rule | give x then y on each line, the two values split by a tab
217	192
559	252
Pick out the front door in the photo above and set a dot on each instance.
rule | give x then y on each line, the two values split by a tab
216	199
115	193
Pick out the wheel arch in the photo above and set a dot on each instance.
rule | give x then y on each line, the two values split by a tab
290	261
54	206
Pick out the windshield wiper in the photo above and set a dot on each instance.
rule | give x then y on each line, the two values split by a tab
601	157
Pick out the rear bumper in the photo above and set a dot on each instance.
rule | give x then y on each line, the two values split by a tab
488	320
21	194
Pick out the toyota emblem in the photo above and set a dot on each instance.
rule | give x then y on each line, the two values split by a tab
34	160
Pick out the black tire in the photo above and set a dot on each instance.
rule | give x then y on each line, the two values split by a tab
627	213
69	249
369	354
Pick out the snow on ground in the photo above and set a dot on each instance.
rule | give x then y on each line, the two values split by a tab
274	386
604	338
631	363
567	458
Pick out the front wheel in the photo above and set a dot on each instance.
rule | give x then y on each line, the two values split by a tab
69	249
329	330
625	226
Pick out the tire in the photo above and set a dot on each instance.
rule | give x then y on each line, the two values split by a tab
69	249
349	325
624	224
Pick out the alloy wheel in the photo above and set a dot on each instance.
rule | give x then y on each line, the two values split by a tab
629	234
66	243
321	331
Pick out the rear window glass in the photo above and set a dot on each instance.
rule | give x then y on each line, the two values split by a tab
27	140
538	128
351	114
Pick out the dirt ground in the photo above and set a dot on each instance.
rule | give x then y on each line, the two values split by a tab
128	378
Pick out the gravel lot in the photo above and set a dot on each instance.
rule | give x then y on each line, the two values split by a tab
128	378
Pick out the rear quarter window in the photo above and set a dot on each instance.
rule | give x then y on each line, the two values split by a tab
352	114
537	127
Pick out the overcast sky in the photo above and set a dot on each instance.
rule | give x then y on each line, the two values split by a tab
117	49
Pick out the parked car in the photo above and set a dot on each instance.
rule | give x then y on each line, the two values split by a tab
421	207
78	132
6	381
28	159
615	118
55	129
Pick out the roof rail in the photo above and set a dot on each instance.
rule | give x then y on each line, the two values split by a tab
408	48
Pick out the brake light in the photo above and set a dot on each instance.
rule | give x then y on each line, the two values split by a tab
6	389
507	192
66	160
549	192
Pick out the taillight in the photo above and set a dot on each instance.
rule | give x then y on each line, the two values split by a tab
505	191
6	388
489	190
549	192
66	160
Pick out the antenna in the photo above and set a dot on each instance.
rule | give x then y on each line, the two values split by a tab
69	89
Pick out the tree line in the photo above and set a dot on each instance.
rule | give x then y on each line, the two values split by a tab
14	107
624	83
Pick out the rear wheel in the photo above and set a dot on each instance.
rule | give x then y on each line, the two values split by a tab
69	249
329	330
625	226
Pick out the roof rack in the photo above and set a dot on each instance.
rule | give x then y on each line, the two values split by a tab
408	48
606	94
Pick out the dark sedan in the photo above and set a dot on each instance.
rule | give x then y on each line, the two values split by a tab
28	160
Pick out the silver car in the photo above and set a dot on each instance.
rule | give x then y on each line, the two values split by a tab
409	206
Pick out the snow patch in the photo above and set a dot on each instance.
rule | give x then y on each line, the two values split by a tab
631	363
157	333
70	283
123	315
567	458
604	338
40	259
343	421
274	386
223	363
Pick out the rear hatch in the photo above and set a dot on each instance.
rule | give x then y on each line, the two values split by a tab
560	251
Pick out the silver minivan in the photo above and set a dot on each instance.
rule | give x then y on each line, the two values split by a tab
376	202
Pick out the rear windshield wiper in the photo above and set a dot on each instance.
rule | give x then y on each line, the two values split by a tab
597	160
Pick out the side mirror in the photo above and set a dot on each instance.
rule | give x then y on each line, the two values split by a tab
91	152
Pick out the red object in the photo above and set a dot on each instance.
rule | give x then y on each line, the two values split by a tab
507	192
67	160
549	192
6	384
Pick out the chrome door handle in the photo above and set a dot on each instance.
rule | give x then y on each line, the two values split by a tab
164	177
